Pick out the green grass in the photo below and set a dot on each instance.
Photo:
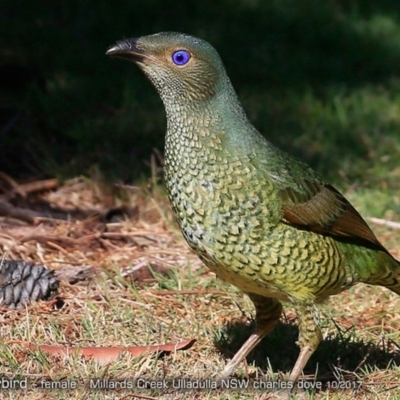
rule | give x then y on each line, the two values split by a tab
358	346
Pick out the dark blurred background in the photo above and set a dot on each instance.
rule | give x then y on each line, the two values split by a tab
318	78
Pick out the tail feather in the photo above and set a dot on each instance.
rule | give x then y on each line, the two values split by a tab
388	273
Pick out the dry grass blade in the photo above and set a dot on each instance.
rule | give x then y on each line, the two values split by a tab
186	292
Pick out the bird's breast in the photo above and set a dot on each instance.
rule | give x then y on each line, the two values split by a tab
223	208
230	214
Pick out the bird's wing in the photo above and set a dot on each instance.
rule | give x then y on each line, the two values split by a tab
321	208
308	202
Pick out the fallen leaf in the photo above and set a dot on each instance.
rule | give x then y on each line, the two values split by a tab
105	354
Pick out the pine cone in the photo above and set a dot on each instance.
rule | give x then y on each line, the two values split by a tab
22	282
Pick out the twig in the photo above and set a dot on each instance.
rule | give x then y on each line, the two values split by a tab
136	303
178	292
60	239
138	396
122	235
25	188
39	186
135	268
14	184
23	214
385	222
57	247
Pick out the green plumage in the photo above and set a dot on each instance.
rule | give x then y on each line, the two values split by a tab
258	218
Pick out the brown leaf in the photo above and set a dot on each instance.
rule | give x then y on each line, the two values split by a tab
105	354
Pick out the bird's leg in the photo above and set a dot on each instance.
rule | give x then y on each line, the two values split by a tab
309	336
268	311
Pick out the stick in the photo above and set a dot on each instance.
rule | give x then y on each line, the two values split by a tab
385	222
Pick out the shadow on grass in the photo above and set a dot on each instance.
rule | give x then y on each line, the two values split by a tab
278	350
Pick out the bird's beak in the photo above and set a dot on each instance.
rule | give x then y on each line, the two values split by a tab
126	49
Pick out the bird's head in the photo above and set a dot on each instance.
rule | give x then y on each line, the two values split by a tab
182	68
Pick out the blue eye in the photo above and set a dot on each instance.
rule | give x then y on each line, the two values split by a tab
181	57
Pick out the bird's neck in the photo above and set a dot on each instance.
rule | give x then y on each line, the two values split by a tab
205	124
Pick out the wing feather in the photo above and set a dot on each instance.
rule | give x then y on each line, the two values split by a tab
321	208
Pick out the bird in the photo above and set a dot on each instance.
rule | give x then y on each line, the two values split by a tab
256	216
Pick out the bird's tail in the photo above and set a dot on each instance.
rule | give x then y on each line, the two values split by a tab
388	274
